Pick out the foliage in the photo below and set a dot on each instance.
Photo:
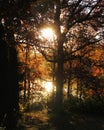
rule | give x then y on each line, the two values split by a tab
87	106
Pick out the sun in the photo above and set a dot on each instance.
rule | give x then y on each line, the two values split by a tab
48	87
47	33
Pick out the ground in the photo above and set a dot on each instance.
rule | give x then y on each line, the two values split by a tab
40	120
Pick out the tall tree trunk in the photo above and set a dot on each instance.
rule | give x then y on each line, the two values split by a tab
26	73
59	73
9	95
59	87
29	83
4	88
69	80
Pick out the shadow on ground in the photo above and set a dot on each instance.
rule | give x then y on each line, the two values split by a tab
41	120
75	121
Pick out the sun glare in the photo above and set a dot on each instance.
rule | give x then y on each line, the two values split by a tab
48	33
48	86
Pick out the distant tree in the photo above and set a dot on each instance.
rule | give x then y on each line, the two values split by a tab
83	62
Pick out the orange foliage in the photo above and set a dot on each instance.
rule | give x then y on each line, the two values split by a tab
90	92
96	71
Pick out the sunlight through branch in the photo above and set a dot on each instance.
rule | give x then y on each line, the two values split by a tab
47	34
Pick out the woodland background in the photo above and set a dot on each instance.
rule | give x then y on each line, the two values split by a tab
73	59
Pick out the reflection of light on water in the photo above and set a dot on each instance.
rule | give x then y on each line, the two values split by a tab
48	86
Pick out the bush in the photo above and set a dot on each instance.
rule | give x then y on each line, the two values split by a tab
91	105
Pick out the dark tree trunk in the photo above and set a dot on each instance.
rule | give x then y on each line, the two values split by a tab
4	88
69	80
59	72
59	87
13	89
9	84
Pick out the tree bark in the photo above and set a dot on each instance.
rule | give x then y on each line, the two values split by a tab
59	72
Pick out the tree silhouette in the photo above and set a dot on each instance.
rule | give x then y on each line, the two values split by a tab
9	94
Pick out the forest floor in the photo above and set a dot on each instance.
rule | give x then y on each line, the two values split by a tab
41	120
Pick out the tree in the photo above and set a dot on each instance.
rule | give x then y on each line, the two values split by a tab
8	67
67	18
